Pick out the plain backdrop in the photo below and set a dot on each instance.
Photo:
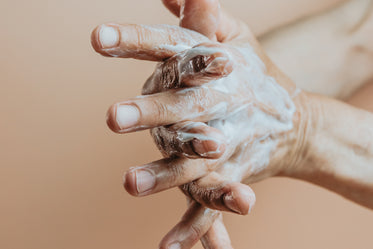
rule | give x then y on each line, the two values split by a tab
61	168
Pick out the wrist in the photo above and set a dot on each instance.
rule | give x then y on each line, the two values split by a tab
306	122
336	152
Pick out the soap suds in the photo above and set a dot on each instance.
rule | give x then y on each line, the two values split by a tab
254	113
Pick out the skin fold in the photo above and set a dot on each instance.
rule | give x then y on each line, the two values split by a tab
223	114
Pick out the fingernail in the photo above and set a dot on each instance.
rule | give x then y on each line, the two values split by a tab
108	36
175	246
127	116
145	181
207	148
231	203
250	198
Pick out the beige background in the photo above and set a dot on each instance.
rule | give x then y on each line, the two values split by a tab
61	168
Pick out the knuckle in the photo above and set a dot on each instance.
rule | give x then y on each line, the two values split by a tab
175	172
195	233
211	197
169	76
185	188
167	141
200	99
199	63
191	67
161	111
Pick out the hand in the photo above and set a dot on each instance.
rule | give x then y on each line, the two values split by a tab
242	96
171	140
323	129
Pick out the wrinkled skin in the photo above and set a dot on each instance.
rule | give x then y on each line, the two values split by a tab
217	152
253	127
253	113
234	116
243	154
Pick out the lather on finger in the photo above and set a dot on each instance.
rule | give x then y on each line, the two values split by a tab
190	139
201	64
144	42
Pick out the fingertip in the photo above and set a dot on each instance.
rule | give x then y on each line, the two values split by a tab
205	62
241	199
173	6
183	235
245	198
94	39
221	65
123	117
202	141
169	245
219	61
201	16
211	149
129	183
103	37
111	117
196	221
170	239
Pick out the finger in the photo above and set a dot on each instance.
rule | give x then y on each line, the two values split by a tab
173	6
195	223
217	236
212	192
190	139
199	104
165	174
201	64
144	42
168	173
201	16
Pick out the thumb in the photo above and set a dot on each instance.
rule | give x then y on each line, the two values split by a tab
202	16
209	19
198	15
